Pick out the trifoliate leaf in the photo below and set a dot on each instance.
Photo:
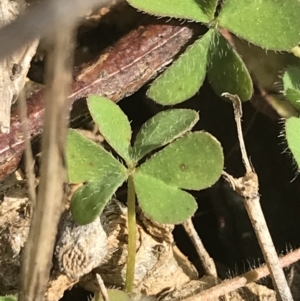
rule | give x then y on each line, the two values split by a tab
184	77
163	128
291	84
194	161
227	72
271	24
292	132
162	202
113	124
196	10
88	161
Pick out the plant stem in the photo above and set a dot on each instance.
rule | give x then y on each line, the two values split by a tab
131	236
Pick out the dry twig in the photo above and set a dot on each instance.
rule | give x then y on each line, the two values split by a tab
29	161
240	281
102	288
247	187
207	262
37	259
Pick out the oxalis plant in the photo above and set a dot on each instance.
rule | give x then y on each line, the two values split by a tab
270	24
291	85
188	161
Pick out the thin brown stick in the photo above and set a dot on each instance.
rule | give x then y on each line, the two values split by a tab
228	286
29	162
102	288
245	132
247	187
238	113
36	262
207	262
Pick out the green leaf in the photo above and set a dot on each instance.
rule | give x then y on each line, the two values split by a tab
227	72
89	200
271	24
292	132
88	161
184	77
113	124
114	295
161	202
163	128
196	10
194	161
291	83
8	298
